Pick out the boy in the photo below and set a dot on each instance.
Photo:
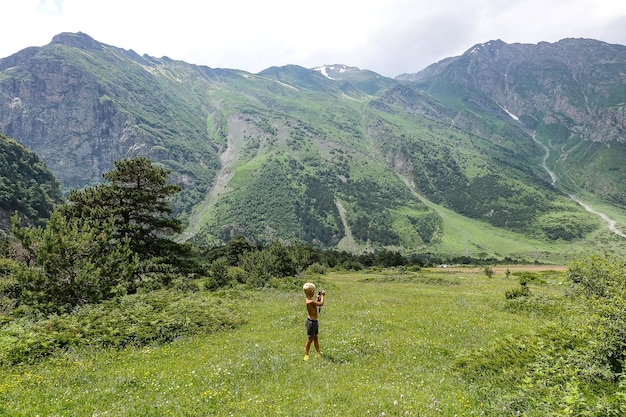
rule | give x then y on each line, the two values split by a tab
311	322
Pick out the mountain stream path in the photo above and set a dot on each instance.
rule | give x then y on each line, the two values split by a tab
612	224
223	176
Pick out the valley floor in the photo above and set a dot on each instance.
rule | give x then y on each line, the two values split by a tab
389	342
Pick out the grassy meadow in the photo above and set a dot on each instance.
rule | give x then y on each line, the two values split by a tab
389	338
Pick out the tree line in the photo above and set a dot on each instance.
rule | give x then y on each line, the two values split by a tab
116	238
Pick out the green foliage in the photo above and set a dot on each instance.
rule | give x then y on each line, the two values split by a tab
547	307
74	263
219	273
566	227
91	247
522	291
231	251
597	168
276	261
281	199
26	184
570	367
489	271
601	281
137	199
316	269
598	276
427	226
136	320
9	286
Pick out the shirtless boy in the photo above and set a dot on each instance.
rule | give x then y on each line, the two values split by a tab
312	304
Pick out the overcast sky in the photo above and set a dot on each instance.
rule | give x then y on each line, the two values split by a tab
390	37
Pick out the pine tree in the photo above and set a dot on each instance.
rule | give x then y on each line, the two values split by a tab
137	198
74	263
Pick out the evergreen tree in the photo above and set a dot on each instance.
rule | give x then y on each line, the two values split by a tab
74	262
137	198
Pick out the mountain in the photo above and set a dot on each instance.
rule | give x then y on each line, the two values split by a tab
26	185
570	94
459	159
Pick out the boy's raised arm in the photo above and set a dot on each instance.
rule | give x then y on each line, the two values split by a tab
320	299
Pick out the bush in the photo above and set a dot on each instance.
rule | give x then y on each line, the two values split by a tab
352	265
9	286
138	320
75	263
531	277
236	275
597	276
522	291
316	269
219	272
574	366
543	306
275	261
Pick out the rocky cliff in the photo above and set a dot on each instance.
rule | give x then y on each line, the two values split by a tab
570	95
81	105
576	83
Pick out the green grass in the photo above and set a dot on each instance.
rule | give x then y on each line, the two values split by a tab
389	341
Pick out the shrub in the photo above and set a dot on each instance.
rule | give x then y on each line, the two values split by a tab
537	305
275	261
522	291
236	275
219	272
574	366
75	263
316	269
489	271
138	320
597	276
9	286
352	265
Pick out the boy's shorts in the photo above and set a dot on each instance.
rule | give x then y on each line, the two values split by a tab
312	328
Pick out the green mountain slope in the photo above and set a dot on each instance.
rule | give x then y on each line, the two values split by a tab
26	185
334	156
571	95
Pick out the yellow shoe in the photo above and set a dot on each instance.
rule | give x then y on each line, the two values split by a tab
306	357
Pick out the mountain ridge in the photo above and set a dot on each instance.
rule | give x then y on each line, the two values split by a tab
301	156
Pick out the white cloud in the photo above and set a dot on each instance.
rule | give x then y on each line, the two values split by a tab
387	36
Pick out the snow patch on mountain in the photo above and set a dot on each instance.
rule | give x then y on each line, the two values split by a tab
328	70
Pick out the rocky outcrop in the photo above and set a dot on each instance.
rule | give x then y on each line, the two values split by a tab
63	113
577	83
